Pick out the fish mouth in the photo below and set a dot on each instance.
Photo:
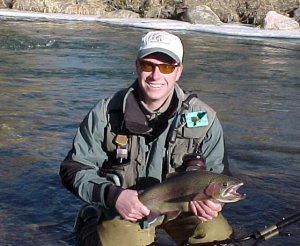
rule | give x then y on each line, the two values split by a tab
230	194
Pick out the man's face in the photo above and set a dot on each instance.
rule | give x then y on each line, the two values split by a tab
155	84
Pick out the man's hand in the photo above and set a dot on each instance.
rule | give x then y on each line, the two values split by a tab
205	210
129	206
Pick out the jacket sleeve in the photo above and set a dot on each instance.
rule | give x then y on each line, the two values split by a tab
79	171
214	150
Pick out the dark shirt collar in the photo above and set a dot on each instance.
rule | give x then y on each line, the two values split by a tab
139	120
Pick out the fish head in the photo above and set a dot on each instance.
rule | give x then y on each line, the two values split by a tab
224	189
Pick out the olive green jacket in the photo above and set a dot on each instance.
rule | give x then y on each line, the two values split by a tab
94	147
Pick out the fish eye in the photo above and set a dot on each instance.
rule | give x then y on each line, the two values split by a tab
225	184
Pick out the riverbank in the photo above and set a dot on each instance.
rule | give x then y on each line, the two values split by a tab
233	29
242	11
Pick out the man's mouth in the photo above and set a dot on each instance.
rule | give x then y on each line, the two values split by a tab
154	85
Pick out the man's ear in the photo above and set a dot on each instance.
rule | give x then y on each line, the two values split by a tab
179	72
137	66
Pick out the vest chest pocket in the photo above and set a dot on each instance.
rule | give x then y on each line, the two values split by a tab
181	148
126	168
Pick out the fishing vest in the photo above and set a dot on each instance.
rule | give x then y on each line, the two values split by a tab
130	158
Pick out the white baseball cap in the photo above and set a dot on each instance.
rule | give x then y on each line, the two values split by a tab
161	41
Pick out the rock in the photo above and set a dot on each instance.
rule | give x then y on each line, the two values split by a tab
32	5
132	5
121	14
75	7
225	10
152	9
275	21
201	14
83	7
57	6
255	11
158	8
6	4
86	9
295	13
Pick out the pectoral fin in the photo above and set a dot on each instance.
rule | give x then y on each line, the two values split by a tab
152	217
172	215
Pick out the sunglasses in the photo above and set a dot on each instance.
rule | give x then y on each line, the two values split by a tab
163	68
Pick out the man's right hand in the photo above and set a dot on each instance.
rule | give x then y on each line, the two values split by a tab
129	206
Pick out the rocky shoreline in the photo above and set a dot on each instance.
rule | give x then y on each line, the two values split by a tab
267	14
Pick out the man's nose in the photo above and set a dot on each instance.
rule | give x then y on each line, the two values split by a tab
156	74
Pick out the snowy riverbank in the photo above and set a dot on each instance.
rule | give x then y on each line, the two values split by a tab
238	30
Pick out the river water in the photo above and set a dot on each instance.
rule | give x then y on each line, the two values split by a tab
51	74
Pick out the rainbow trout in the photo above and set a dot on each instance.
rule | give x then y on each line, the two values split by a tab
172	196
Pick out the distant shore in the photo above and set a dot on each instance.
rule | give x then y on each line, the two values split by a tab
236	29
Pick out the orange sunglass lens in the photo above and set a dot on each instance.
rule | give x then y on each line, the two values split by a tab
147	66
166	68
163	68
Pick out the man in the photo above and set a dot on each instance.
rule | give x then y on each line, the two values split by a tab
133	140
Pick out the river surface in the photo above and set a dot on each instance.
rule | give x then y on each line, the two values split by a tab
52	73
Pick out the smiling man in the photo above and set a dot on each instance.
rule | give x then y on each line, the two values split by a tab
133	140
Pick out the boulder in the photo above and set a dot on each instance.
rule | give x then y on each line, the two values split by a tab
82	7
58	6
224	9
297	15
275	21
132	5
29	5
201	14
255	11
158	9
6	4
120	14
86	9
152	9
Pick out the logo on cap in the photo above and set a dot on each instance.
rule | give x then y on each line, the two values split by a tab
158	37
